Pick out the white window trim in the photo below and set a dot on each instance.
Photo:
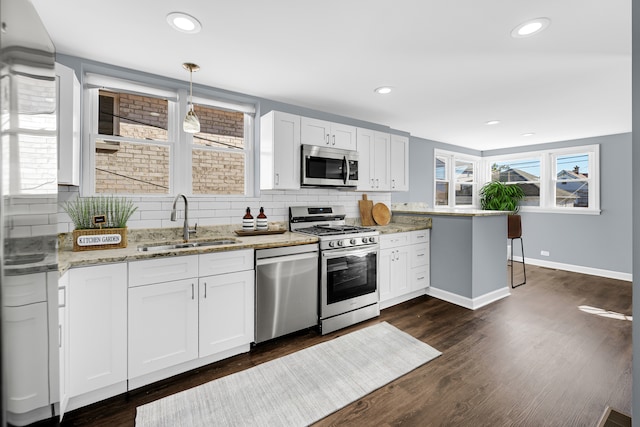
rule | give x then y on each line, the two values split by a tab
548	179
179	142
452	156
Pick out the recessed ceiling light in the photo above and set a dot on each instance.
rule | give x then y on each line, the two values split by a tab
492	122
184	23
530	28
528	134
382	90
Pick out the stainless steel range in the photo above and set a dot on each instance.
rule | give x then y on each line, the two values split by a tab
348	265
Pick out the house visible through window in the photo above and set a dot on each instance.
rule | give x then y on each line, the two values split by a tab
561	180
455	179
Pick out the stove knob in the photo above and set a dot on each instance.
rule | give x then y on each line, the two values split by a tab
365	240
332	244
340	242
352	241
372	239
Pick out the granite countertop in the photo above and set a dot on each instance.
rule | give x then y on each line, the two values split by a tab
449	211
67	258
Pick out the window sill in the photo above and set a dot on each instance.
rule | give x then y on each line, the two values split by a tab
570	211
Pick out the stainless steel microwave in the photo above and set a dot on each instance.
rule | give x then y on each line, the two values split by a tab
328	167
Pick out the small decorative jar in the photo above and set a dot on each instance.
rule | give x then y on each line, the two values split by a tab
261	221
247	221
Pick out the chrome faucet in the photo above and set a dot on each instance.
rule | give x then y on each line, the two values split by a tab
185	228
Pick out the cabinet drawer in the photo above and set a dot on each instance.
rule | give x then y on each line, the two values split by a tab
164	269
419	255
394	240
420	236
419	278
25	289
225	262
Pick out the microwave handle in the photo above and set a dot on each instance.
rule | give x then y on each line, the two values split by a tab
345	170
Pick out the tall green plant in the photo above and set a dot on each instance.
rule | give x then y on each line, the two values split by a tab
83	209
498	196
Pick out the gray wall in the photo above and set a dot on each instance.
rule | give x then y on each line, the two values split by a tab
593	241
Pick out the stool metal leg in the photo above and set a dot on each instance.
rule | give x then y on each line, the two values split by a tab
524	271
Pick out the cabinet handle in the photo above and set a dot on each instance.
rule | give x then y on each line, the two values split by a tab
377	183
393	183
421	278
192	292
421	254
59	336
328	136
64	300
205	290
277	179
334	140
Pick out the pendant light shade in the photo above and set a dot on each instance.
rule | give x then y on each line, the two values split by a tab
191	124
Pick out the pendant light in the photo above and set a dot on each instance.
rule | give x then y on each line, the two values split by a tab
191	123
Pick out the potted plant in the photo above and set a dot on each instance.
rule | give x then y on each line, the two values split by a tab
498	196
100	222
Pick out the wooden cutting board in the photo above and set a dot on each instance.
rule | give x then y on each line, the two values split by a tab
366	206
381	214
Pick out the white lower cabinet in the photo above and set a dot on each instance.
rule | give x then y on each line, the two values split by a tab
97	316
403	267
226	311
181	324
25	328
163	325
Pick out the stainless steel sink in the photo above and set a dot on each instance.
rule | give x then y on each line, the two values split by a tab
168	247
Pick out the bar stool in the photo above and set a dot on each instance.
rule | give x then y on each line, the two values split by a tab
514	231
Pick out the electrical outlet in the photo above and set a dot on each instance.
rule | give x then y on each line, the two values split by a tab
544	253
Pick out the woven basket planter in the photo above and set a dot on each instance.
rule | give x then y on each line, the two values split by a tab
94	239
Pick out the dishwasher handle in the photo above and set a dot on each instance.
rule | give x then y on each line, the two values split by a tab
286	258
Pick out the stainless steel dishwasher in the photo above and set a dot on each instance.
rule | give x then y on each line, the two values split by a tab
286	290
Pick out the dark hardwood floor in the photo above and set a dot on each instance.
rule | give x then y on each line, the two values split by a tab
532	359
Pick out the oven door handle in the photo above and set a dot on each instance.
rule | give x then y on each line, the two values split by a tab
336	253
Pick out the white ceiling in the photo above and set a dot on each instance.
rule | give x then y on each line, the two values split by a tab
453	64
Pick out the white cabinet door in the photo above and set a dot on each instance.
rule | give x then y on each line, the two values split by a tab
226	311
380	161
315	132
280	151
384	272
323	133
343	136
399	163
68	126
26	351
393	272
373	167
97	317
163	325
63	343
366	160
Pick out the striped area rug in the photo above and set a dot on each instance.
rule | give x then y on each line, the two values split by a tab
297	389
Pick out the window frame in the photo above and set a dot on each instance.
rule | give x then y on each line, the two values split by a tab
548	177
180	143
451	158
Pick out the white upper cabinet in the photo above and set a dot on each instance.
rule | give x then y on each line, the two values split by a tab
323	133
279	151
68	126
373	166
399	163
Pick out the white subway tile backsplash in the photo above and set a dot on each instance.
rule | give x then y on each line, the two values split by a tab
155	212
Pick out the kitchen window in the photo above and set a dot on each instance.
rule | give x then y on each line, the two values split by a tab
134	142
455	179
558	180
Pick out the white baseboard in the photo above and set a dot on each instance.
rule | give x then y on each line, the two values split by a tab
470	303
577	268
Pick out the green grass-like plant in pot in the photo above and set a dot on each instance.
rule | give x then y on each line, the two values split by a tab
116	212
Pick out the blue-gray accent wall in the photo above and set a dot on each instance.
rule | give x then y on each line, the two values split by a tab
601	242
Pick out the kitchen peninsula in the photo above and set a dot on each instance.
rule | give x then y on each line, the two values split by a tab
468	259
